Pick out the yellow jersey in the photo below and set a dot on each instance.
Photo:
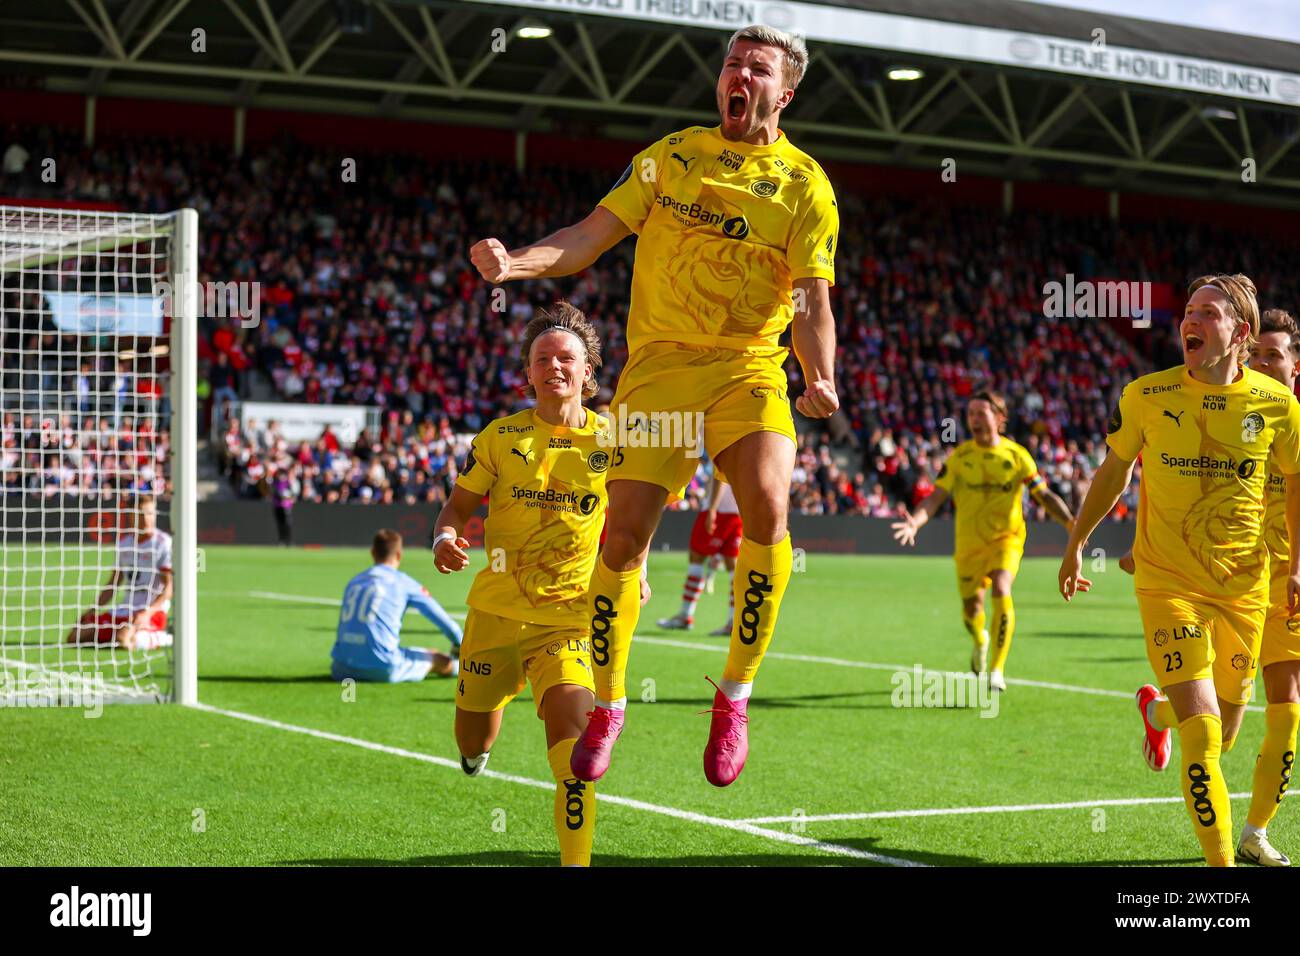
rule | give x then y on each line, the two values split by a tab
986	484
724	230
1277	542
1205	461
546	508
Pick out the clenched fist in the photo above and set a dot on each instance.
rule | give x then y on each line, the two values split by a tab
491	260
818	400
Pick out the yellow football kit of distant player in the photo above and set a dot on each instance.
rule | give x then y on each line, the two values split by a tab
546	507
724	230
1202	577
987	486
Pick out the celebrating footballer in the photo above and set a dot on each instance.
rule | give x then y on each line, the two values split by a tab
736	231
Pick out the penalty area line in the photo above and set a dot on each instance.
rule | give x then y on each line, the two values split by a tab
961	811
783	656
896	668
739	826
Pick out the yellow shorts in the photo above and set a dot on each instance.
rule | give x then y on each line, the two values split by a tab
1281	630
675	402
1195	640
974	565
498	655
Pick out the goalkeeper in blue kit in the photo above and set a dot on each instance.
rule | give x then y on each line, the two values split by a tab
367	647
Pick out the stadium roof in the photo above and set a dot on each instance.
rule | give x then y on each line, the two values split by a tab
1010	89
1120	31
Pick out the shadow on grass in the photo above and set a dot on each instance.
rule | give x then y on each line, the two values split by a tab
1090	635
606	860
802	700
268	679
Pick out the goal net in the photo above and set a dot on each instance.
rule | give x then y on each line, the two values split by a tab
97	435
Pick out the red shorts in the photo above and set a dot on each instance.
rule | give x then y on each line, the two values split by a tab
725	539
108	624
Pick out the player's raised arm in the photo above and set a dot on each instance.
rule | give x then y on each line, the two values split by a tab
449	552
813	336
1108	483
562	253
905	530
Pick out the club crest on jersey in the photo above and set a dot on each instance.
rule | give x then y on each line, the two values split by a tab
598	461
1251	426
763	188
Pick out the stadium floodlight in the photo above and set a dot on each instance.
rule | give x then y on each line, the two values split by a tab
534	32
905	73
87	433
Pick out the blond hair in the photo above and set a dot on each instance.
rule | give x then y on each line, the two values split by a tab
794	50
564	317
1241	295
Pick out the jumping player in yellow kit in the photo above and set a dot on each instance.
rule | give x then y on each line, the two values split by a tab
736	240
543	471
986	478
1207	431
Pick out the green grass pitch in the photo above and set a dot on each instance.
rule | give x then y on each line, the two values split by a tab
164	785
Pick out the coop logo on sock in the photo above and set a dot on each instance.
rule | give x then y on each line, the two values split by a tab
755	595
1200	791
1288	761
134	910
601	622
574	807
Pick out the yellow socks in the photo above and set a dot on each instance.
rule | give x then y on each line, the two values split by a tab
1164	714
1002	626
762	573
1204	789
614	602
575	807
975	626
1274	764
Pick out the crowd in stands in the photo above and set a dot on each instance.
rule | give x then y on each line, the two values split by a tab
367	297
76	419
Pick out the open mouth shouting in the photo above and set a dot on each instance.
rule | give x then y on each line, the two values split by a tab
1192	344
737	104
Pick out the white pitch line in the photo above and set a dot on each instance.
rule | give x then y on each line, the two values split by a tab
295	598
84	678
737	825
870	665
961	811
782	656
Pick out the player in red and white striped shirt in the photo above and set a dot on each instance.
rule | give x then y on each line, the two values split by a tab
144	570
716	533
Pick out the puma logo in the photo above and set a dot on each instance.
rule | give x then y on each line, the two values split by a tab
524	454
1177	418
686	163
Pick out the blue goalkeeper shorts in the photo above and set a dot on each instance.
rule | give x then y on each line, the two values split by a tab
412	664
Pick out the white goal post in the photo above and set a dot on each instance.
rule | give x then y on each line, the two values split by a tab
98	447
